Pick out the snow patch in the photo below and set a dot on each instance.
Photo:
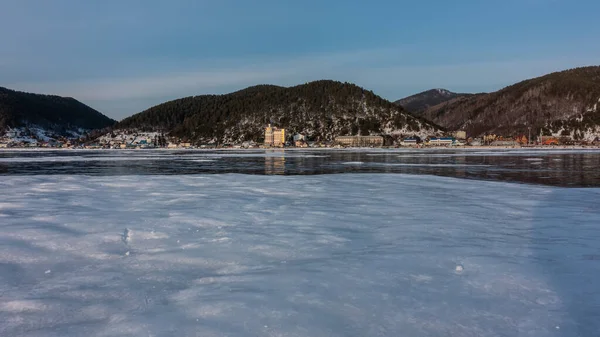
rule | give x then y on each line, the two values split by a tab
21	306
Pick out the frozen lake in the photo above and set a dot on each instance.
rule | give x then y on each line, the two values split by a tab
145	243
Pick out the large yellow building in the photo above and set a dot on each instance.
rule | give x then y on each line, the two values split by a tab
274	136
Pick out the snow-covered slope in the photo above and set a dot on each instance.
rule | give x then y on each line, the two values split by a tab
329	255
36	134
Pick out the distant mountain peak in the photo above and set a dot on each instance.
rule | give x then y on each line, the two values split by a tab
418	103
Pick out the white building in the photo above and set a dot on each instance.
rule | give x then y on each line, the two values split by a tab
441	141
409	142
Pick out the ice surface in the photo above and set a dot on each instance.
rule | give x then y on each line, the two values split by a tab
45	159
428	165
329	255
119	155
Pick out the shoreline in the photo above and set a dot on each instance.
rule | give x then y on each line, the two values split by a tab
404	148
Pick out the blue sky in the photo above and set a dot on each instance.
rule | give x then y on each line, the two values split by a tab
121	57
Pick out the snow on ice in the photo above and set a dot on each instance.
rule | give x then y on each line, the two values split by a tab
329	255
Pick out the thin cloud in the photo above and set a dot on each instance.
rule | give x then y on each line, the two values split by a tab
231	73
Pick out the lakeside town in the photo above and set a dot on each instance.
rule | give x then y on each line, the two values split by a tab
275	137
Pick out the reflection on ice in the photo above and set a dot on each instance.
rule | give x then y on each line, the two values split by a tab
335	255
274	165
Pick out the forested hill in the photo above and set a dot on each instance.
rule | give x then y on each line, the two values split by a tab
565	103
321	110
19	109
